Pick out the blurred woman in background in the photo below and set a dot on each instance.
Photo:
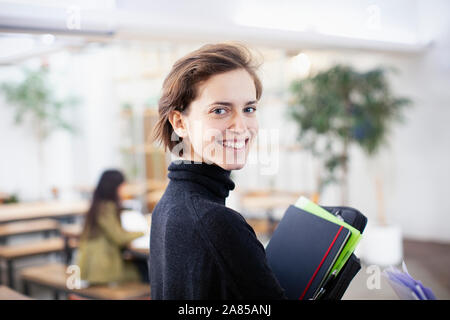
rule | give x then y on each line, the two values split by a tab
103	238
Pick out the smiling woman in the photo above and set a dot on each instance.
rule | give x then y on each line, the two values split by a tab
221	122
207	109
200	249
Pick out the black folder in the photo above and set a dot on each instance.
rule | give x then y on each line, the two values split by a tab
302	251
335	289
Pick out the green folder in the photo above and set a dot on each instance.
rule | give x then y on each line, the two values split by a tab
355	236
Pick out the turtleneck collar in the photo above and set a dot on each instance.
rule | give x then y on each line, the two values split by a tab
211	176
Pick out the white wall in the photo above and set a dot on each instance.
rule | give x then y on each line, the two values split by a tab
20	169
413	167
68	160
97	145
18	155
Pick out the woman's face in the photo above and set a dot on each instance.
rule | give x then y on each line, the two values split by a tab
220	125
122	192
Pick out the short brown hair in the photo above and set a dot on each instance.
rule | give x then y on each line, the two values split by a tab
180	86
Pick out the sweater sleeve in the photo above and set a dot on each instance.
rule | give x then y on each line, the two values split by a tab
241	255
110	225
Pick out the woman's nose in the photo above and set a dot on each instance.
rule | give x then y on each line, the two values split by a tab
238	123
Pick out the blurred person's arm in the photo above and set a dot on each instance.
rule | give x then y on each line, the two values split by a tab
110	224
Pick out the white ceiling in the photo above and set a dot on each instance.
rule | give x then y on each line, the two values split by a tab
357	24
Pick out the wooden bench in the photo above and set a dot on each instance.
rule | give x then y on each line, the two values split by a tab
53	276
72	230
71	234
9	294
28	227
10	253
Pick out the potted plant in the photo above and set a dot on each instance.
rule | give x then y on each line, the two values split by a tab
340	107
33	99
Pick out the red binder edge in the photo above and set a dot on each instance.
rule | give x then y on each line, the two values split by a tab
321	262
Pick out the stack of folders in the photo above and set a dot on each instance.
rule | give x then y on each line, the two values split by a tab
309	248
406	287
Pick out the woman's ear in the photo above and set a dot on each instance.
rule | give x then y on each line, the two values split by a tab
177	122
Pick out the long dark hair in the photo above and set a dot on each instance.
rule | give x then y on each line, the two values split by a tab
106	190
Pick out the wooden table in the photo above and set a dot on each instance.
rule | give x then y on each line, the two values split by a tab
139	253
27	227
38	210
9	294
269	200
153	197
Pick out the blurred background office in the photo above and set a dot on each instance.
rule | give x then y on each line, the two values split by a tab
354	112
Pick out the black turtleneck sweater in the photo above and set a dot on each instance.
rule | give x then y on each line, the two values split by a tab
199	248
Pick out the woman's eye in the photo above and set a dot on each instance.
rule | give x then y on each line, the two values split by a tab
218	111
252	109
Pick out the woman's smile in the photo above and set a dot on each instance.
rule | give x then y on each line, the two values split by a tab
234	144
